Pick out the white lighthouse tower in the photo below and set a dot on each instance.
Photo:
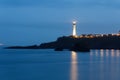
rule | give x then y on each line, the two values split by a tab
74	29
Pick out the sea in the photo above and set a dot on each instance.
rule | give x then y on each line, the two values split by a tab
48	64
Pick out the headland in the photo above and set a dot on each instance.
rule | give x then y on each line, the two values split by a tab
84	42
80	42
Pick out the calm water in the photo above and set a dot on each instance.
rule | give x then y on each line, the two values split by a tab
65	65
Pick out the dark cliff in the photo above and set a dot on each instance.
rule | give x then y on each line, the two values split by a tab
91	43
69	42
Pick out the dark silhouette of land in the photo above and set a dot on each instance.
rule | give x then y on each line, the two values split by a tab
77	43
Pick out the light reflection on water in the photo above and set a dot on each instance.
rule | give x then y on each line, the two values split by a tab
50	65
74	69
102	64
105	53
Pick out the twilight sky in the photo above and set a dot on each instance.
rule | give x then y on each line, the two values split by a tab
24	22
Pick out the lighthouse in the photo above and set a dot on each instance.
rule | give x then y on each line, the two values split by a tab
74	28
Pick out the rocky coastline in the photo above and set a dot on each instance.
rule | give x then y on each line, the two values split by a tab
77	44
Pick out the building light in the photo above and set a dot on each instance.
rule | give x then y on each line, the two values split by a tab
118	34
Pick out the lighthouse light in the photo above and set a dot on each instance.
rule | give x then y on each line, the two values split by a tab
74	28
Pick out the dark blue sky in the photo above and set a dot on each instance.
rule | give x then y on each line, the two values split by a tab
34	21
